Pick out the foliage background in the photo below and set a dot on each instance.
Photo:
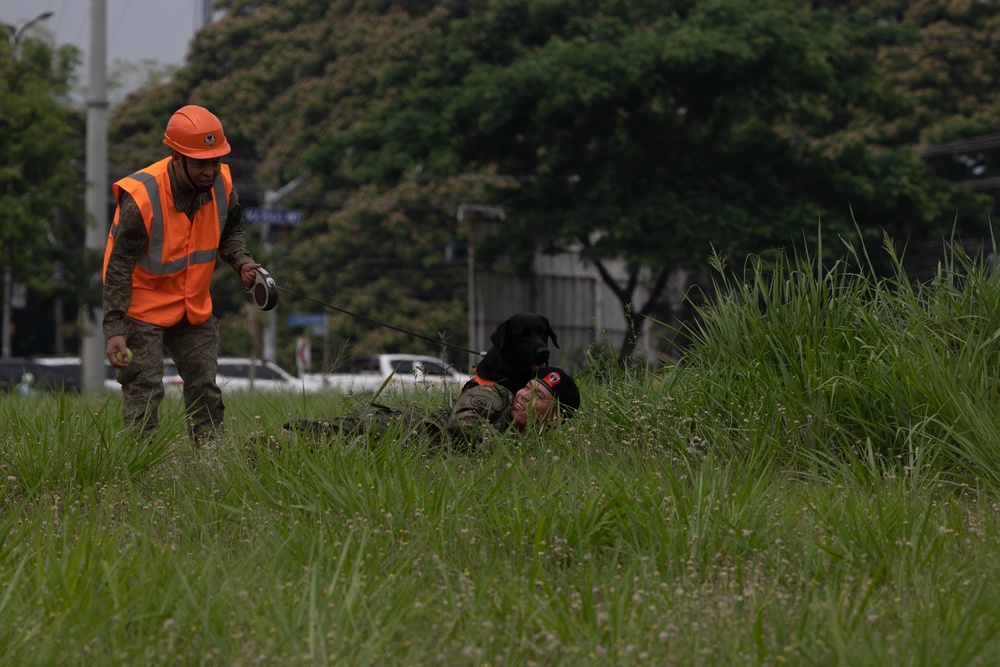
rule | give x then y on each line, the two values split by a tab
658	130
40	190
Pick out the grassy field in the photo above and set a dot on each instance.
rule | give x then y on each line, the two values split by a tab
816	485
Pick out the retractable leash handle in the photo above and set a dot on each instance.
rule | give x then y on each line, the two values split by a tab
264	290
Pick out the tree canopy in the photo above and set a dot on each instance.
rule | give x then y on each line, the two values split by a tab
39	142
657	136
653	130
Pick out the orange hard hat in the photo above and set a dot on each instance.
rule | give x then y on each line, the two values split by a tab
196	132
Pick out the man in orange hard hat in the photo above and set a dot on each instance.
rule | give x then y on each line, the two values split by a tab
174	219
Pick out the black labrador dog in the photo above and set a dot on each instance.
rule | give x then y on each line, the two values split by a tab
520	345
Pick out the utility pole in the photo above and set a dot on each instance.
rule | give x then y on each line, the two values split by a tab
92	347
203	14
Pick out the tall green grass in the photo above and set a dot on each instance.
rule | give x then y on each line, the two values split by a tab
851	371
791	494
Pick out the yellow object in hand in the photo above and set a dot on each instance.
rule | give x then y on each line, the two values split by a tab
128	354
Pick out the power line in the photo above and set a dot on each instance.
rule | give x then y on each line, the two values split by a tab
969	144
976	144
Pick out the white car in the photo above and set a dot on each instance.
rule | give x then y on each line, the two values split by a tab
245	374
399	371
242	373
234	374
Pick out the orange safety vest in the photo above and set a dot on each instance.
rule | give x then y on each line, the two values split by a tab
172	277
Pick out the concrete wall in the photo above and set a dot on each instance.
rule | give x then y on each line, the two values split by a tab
562	287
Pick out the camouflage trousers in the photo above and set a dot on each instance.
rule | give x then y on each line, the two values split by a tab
195	350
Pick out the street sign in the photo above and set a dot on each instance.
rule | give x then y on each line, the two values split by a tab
273	216
306	320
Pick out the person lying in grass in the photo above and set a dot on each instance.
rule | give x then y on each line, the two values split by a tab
548	399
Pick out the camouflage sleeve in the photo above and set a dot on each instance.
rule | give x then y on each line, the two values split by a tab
375	420
233	244
128	243
479	411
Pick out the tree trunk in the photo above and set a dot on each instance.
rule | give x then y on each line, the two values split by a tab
633	315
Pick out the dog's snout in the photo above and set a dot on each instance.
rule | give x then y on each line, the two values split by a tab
542	355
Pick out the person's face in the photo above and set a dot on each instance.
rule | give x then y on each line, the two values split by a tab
199	175
533	404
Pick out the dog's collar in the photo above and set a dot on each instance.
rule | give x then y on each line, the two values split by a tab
480	380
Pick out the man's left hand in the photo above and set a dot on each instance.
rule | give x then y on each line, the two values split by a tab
248	273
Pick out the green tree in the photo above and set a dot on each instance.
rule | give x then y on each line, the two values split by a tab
39	141
946	67
650	130
127	76
656	132
285	77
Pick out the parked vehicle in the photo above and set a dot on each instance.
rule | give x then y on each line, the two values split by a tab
369	372
241	373
245	374
365	373
54	374
65	372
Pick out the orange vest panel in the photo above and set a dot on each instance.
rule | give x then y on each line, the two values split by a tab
171	280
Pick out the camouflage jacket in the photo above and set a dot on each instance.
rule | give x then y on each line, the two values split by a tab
132	238
478	412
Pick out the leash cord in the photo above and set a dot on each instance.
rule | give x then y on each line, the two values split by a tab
381	324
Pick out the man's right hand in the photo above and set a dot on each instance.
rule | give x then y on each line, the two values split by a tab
115	347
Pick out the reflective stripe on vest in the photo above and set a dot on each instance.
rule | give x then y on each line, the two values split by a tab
153	260
173	273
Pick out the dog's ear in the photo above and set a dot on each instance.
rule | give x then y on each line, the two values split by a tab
500	335
549	331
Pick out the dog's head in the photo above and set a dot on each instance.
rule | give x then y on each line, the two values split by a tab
523	339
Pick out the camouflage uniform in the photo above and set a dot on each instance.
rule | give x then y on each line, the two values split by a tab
193	347
478	412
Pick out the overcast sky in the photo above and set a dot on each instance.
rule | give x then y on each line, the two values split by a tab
136	29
